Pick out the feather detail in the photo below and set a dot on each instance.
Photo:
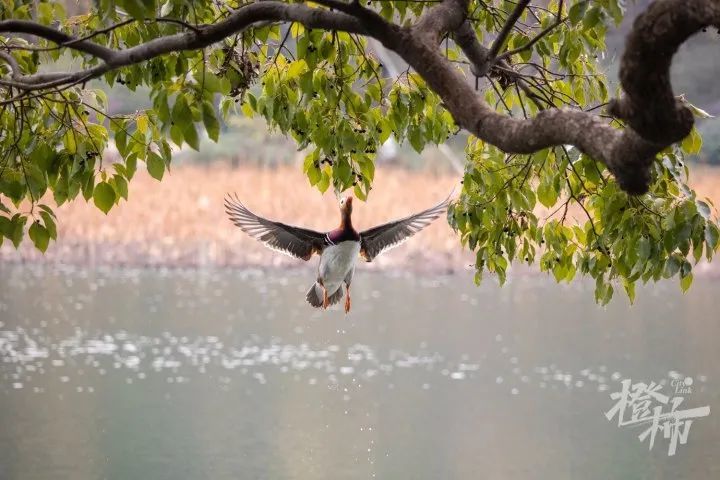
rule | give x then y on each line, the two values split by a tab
390	235
293	241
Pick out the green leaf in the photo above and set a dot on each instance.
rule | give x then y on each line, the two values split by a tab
215	84
416	140
121	141
70	142
314	175
49	224
142	123
138	8
672	266
39	236
592	18
703	209
211	123
297	68
155	165
692	144
121	186
45	13
630	290
547	194
43	156
176	135
18	227
324	182
166	152
712	236
686	281
6	227
104	196
359	193
577	12
88	186
130	165
604	294
191	136
183	127
343	170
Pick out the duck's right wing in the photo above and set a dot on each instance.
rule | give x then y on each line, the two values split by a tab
384	237
294	241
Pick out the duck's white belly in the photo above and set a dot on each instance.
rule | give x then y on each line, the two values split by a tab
336	262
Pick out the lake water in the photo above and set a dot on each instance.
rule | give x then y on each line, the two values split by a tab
136	374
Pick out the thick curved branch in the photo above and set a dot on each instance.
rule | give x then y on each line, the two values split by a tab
200	37
629	152
445	17
377	26
649	106
623	151
476	53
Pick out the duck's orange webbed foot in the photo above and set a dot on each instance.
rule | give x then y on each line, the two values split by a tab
347	300
326	300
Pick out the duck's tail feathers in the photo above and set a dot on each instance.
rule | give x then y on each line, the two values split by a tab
315	296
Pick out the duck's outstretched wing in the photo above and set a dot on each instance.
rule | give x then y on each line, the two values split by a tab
294	241
384	237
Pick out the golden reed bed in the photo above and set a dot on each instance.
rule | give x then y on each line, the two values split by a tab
180	222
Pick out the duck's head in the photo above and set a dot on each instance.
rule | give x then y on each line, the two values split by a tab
346	206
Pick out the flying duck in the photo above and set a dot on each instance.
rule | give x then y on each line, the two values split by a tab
339	249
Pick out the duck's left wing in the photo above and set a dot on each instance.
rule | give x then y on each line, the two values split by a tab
384	237
294	241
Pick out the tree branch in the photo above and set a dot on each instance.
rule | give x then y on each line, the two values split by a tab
627	153
475	52
200	37
12	63
54	35
481	63
558	21
507	28
649	106
447	16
